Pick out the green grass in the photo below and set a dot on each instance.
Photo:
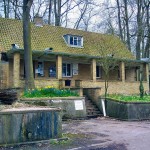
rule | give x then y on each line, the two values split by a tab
130	98
48	92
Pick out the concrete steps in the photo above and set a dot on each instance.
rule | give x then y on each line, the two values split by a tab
91	108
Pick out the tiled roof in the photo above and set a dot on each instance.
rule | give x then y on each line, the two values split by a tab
94	44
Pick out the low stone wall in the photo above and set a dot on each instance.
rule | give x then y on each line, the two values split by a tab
72	107
29	125
127	110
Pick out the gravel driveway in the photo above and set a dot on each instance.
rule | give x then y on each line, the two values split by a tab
97	134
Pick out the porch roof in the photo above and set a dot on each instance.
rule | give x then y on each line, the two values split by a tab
43	54
94	44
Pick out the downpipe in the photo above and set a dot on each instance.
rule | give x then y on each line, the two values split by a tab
103	106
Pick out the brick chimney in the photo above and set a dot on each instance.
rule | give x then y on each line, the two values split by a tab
38	21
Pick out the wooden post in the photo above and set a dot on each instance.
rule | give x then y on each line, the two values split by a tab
59	67
122	71
93	69
147	72
16	69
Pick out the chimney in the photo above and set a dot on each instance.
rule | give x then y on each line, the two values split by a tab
38	21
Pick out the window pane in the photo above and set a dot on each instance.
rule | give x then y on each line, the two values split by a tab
71	40
68	70
64	69
40	69
52	71
98	73
79	41
75	40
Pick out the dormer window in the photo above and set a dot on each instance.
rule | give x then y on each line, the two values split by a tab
73	40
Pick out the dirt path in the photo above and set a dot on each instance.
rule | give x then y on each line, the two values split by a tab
97	134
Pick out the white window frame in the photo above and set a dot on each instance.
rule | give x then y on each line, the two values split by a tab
77	39
63	75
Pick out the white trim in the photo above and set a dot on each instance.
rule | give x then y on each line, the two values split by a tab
72	45
70	70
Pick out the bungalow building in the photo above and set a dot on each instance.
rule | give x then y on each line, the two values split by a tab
68	58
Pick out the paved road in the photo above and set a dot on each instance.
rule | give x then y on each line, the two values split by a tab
98	134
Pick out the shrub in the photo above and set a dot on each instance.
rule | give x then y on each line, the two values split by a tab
48	92
130	98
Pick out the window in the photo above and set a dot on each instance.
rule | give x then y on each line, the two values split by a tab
66	70
98	72
74	40
52	71
40	69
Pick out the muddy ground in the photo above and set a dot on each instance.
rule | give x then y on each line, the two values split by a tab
97	134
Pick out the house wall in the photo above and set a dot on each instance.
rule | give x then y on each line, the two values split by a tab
117	86
113	74
4	75
130	86
84	72
130	74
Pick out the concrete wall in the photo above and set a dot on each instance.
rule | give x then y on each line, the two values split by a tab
72	107
29	125
127	110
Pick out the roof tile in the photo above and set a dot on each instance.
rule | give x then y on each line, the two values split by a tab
95	44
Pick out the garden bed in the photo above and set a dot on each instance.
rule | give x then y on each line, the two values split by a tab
122	110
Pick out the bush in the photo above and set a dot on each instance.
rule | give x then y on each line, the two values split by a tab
48	92
130	98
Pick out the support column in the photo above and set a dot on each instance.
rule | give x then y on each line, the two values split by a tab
59	67
147	72
93	69
7	74
16	70
122	71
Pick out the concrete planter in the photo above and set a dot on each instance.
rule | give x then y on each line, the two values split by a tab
72	107
29	125
127	110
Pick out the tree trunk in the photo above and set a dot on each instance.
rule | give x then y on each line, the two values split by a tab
29	80
6	8
57	11
139	29
119	20
147	46
127	24
49	11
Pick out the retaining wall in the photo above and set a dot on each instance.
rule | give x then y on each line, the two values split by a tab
29	125
72	107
